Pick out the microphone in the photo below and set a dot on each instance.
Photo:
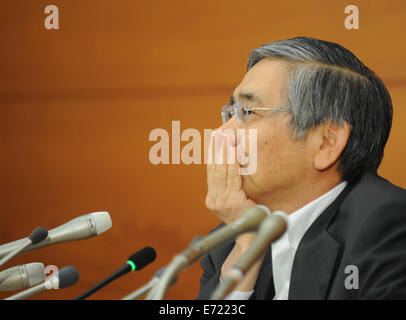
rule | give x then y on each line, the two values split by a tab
35	237
137	261
22	277
64	278
143	290
249	221
270	230
82	227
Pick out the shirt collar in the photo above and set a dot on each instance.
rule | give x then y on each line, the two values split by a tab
300	220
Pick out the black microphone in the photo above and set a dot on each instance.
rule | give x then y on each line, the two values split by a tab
136	262
35	237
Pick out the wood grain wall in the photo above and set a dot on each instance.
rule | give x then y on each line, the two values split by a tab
78	104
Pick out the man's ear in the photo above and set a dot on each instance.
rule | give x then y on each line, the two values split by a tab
332	140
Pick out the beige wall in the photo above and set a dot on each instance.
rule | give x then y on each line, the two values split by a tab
78	104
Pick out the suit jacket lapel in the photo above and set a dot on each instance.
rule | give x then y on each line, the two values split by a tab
312	268
316	255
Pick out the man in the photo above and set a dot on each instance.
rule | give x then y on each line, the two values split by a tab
322	120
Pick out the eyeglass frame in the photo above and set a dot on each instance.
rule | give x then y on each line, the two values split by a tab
237	108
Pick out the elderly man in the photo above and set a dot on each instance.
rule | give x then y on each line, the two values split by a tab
322	120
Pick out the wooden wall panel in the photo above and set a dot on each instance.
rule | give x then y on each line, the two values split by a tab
78	104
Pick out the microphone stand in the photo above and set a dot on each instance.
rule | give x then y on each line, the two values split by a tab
270	230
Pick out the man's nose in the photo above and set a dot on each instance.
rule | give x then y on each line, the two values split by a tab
231	124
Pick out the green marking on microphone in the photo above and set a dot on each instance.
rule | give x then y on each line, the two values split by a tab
132	264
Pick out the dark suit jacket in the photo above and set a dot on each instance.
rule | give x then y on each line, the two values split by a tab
364	227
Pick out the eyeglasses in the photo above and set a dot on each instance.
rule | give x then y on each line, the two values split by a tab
242	111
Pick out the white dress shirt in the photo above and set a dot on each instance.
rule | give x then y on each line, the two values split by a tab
284	249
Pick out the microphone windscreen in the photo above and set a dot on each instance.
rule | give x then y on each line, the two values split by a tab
35	273
68	276
38	235
102	221
143	257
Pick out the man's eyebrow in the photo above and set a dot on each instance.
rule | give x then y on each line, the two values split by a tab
249	96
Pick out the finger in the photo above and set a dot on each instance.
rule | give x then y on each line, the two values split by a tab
220	172
230	146
210	162
234	179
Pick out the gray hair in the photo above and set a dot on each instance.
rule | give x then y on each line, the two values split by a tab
328	82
